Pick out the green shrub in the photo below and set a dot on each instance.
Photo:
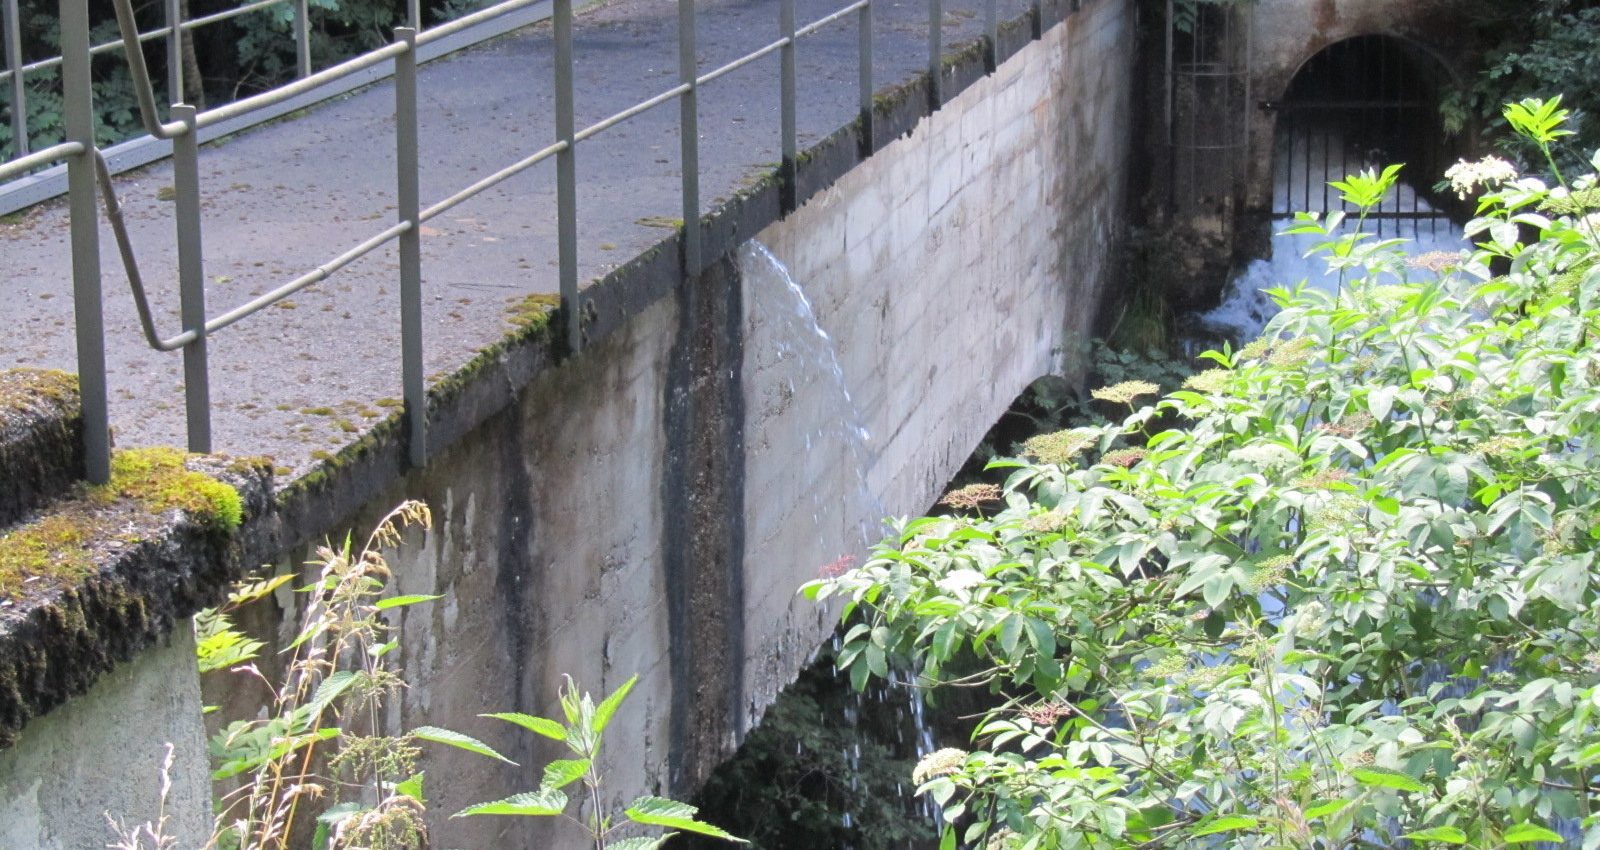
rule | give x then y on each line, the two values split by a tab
1352	601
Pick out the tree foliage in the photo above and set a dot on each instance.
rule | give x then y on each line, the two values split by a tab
1536	49
1351	601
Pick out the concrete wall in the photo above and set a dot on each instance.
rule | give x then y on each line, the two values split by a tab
651	506
101	755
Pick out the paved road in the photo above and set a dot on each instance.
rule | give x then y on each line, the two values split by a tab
282	198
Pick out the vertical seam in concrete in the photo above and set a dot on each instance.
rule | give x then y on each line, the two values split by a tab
702	500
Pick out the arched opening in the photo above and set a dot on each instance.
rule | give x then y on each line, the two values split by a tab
1364	102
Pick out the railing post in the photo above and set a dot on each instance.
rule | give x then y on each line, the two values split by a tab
302	37
935	52
414	14
78	100
19	92
408	198
174	52
864	52
566	175
786	109
689	138
191	278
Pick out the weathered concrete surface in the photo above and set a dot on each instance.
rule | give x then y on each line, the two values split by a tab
950	276
41	438
650	506
102	754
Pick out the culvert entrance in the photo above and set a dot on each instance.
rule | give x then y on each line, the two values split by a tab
1364	102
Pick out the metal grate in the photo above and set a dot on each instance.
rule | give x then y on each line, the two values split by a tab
1208	93
1366	102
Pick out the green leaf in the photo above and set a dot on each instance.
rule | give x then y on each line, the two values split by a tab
327	692
608	706
457	740
563	772
403	601
1382	777
1322	810
1229	823
1445	834
541	725
545	803
412	788
659	811
1529	833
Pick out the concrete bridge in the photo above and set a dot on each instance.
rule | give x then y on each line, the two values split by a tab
646	505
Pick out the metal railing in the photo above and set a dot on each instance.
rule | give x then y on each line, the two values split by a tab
89	173
171	31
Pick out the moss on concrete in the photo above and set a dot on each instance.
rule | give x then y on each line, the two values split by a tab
532	311
26	388
66	543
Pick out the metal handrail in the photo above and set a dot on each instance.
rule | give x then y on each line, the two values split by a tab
88	166
15	69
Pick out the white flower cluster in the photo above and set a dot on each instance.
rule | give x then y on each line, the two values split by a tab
1465	177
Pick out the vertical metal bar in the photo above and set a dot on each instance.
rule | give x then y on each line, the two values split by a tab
786	109
174	52
302	37
566	175
413	15
19	92
1172	24
689	138
864	55
991	36
78	97
408	199
935	52
191	278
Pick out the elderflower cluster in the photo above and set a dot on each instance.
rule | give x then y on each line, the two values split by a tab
1059	447
1465	177
1264	456
1211	381
1126	392
1124	458
971	496
1269	573
1050	522
939	763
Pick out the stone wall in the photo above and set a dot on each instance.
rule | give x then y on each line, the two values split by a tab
1286	34
651	506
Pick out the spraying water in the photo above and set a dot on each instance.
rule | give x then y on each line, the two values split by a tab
1246	308
811	378
806	357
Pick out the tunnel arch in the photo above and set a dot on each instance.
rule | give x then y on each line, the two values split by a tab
1363	101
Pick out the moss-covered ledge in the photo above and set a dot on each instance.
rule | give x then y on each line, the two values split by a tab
41	442
109	570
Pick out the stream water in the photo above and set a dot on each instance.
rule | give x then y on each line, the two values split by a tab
1246	308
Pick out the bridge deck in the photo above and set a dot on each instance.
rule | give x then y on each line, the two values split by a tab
313	372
